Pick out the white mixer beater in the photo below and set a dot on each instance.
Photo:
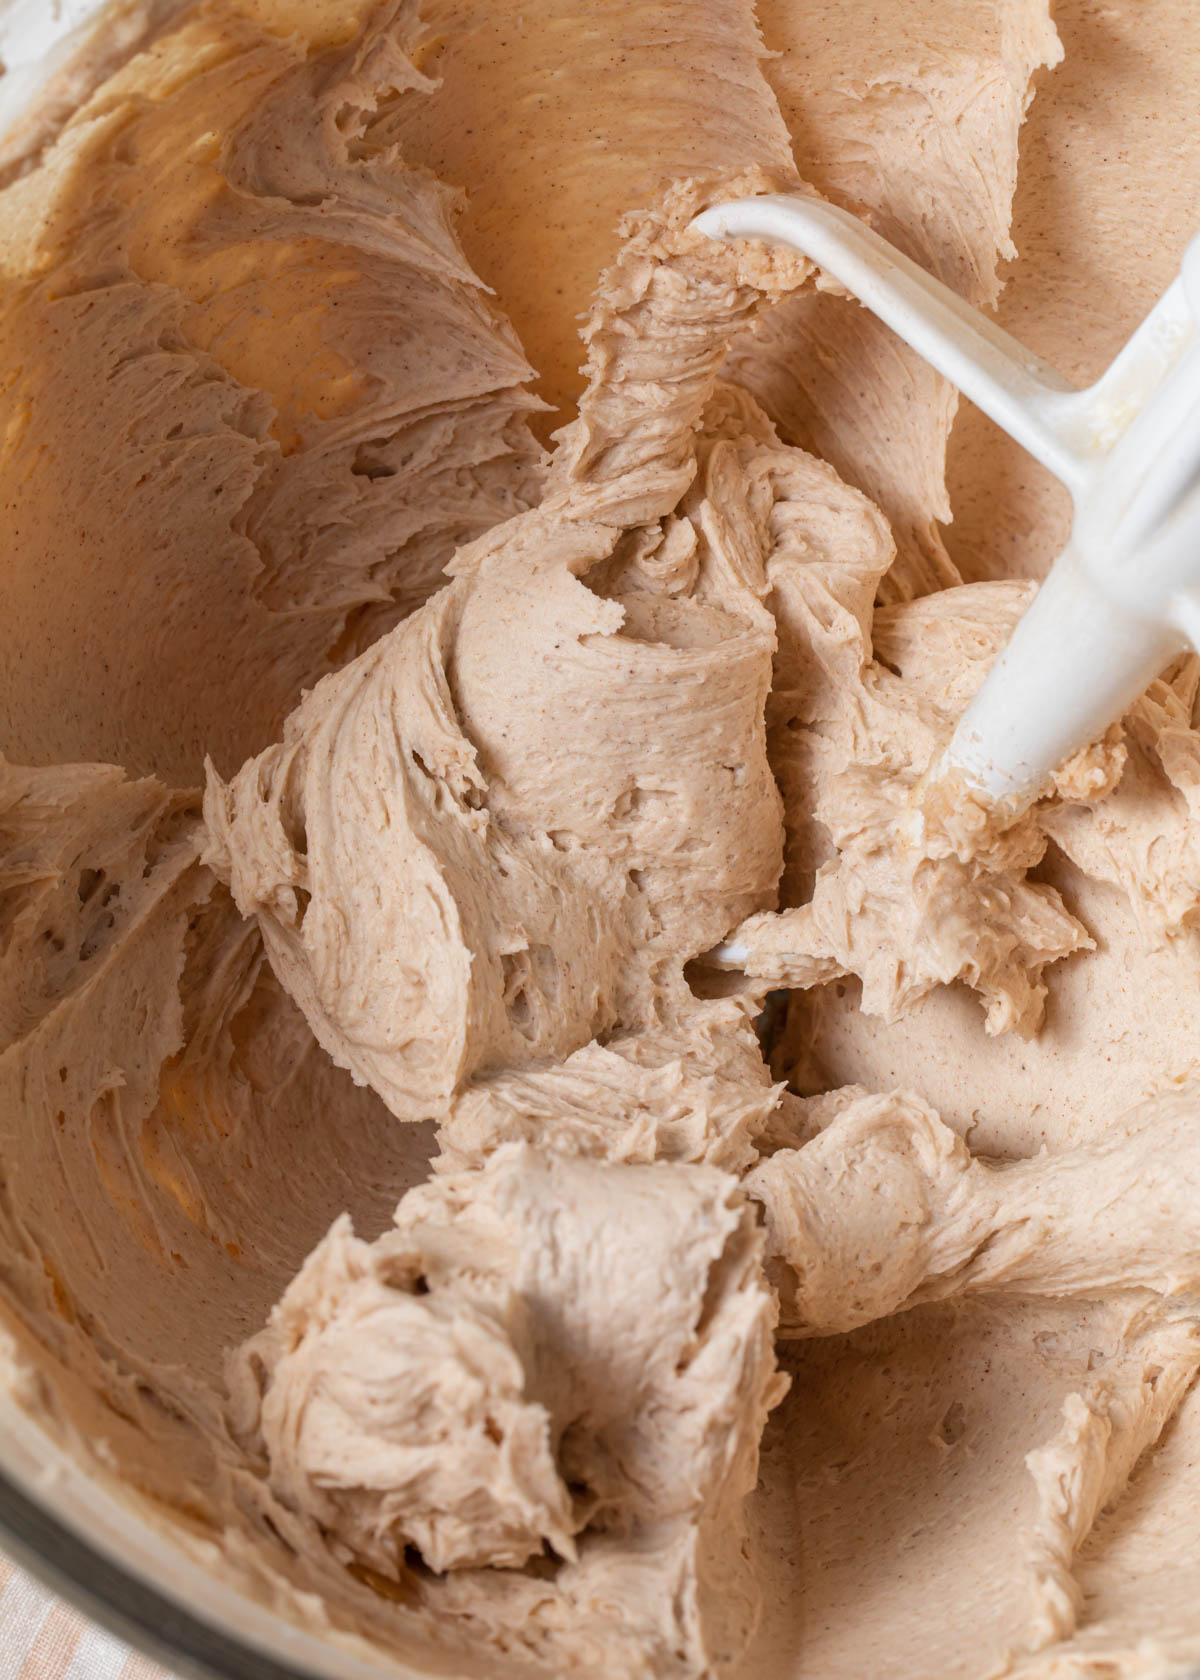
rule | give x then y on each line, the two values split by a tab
1123	598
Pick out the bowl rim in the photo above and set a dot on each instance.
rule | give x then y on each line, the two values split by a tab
121	1602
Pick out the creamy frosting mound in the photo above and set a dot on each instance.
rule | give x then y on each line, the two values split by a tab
535	1134
886	1207
403	1420
886	898
544	1353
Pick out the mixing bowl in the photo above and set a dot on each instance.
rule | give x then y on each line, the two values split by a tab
94	1543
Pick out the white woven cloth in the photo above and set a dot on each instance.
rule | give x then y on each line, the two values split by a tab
41	1639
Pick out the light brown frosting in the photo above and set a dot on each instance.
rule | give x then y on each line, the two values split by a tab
396	1192
533	1393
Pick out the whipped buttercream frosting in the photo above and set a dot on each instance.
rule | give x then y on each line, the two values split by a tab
445	599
